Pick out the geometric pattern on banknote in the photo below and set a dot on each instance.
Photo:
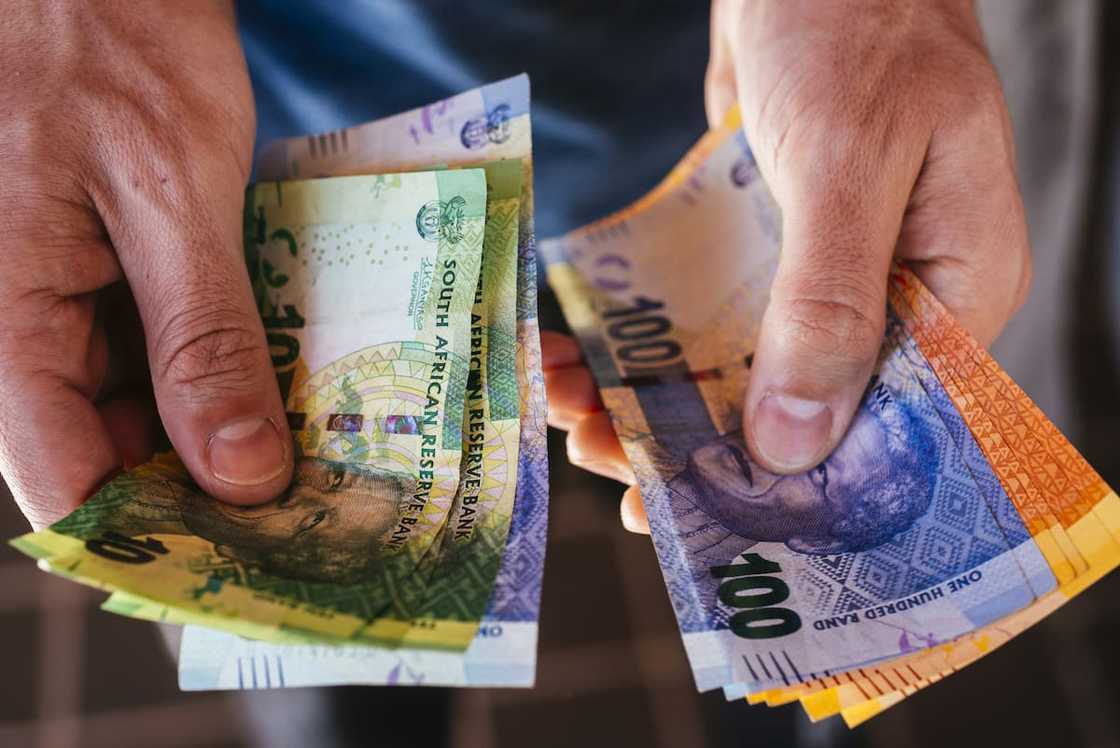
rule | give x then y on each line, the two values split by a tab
1032	508
1001	509
505	400
955	533
516	595
526	277
517	589
1004	514
1053	464
462	588
502	223
457	373
674	565
501	364
1052	482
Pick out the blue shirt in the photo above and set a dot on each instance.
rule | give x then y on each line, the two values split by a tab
617	86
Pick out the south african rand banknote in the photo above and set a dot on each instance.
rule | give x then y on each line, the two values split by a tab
473	128
365	286
461	565
929	523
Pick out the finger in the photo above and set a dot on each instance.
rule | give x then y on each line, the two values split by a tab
132	424
594	446
572	394
965	232
982	294
559	350
633	512
843	193
124	399
55	449
176	225
719	79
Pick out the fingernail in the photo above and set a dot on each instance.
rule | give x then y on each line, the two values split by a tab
630	511
247	452
791	432
631	524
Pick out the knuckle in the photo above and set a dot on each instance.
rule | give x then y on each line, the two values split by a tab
1008	268
840	321
39	510
845	153
150	156
974	113
207	354
41	506
576	447
159	141
47	333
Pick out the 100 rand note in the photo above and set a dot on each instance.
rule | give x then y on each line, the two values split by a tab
1090	526
468	129
773	579
1072	515
1010	424
373	379
1024	448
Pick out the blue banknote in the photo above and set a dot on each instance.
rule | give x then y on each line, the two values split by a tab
902	539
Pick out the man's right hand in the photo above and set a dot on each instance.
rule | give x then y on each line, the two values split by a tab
881	131
126	134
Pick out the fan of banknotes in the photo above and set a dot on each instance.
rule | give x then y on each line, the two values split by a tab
951	517
394	267
395	272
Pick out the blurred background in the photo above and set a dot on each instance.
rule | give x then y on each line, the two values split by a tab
612	670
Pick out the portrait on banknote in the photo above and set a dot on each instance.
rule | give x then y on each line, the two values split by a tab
331	525
876	485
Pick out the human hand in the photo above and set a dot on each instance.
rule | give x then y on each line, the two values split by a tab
881	130
574	406
126	132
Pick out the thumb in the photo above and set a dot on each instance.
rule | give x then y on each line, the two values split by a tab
177	231
821	333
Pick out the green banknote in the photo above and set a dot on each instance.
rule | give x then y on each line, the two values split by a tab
457	573
470	548
471	129
365	286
